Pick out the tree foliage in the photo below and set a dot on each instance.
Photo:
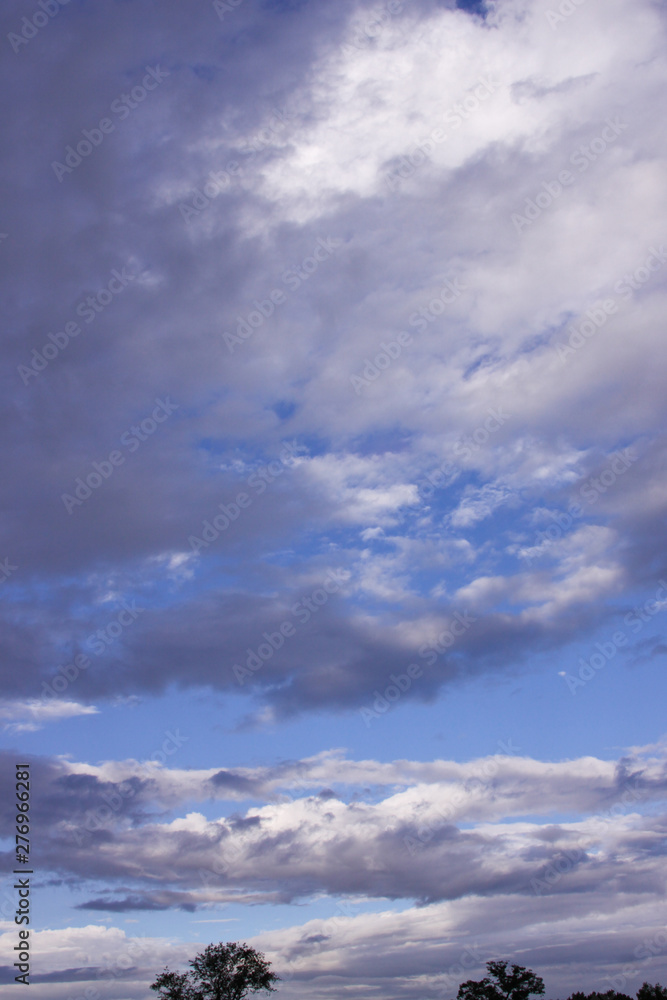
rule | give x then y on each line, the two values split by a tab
648	992
517	984
609	995
221	972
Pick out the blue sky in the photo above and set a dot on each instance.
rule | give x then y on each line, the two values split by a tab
333	533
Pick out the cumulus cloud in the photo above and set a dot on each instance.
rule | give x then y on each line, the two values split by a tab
314	835
479	852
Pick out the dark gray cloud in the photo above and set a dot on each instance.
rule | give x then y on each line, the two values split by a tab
147	901
161	337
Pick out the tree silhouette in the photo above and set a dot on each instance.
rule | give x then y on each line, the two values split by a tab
648	992
221	972
518	984
609	995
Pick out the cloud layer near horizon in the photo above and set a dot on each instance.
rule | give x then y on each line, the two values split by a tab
547	845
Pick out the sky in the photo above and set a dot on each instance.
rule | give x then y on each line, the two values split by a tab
333	517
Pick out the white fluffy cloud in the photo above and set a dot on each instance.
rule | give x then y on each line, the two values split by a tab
479	846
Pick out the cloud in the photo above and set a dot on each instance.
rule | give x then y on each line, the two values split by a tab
29	716
465	202
334	155
90	957
437	830
477	857
478	854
